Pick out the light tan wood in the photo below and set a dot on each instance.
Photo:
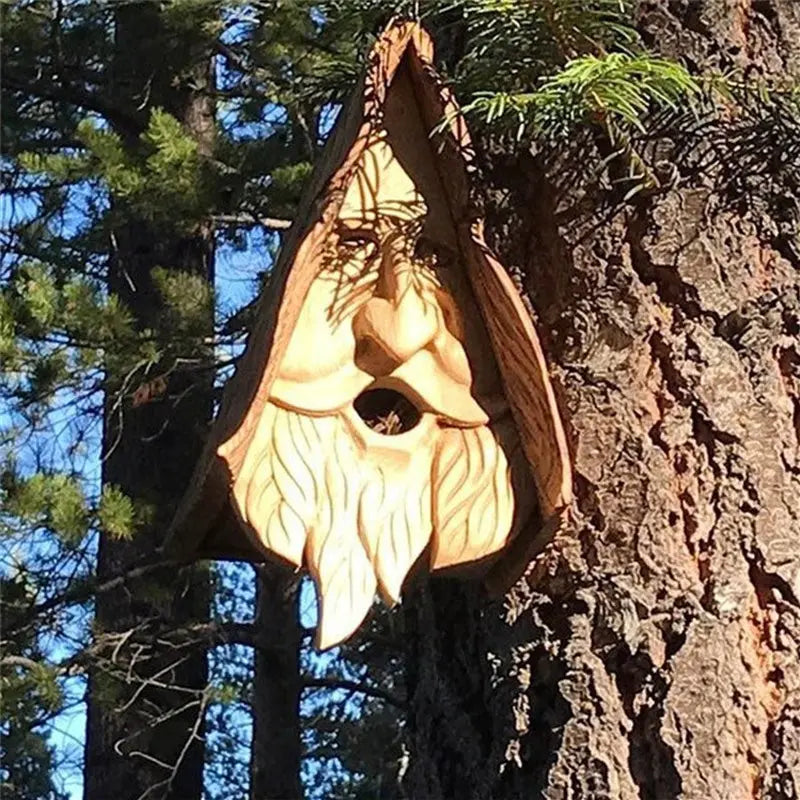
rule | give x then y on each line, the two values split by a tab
389	314
393	397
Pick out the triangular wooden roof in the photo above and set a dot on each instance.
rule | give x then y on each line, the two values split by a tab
206	525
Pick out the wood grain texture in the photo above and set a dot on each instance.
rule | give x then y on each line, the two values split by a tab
203	525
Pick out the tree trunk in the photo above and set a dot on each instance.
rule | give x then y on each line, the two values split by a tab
147	701
277	747
652	650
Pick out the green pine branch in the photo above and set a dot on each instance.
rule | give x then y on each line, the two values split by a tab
617	87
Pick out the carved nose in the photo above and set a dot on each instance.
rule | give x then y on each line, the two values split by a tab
397	322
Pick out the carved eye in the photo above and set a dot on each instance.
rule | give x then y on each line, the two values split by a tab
358	244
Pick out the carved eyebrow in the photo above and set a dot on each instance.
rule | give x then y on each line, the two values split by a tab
354	223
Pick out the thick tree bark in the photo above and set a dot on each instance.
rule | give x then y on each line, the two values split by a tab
277	747
147	700
652	650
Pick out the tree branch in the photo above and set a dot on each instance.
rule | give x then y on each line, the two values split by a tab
86	589
245	220
62	92
19	661
231	56
355	686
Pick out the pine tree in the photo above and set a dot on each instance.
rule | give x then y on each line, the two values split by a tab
162	261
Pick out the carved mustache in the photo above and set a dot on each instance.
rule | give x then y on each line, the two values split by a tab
440	395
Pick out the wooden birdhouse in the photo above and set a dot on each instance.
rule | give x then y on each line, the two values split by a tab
393	399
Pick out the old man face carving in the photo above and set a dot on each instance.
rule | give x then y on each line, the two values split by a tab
386	427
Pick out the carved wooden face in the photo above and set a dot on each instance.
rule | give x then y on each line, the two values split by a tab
386	428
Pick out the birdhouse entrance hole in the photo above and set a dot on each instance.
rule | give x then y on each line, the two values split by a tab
386	411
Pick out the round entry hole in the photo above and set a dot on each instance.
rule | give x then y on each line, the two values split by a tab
386	411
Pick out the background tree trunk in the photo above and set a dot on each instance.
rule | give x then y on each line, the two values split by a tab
145	741
652	650
277	748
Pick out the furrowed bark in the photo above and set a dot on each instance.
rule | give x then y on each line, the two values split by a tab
652	651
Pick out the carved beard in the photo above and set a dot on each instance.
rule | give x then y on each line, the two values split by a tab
312	489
